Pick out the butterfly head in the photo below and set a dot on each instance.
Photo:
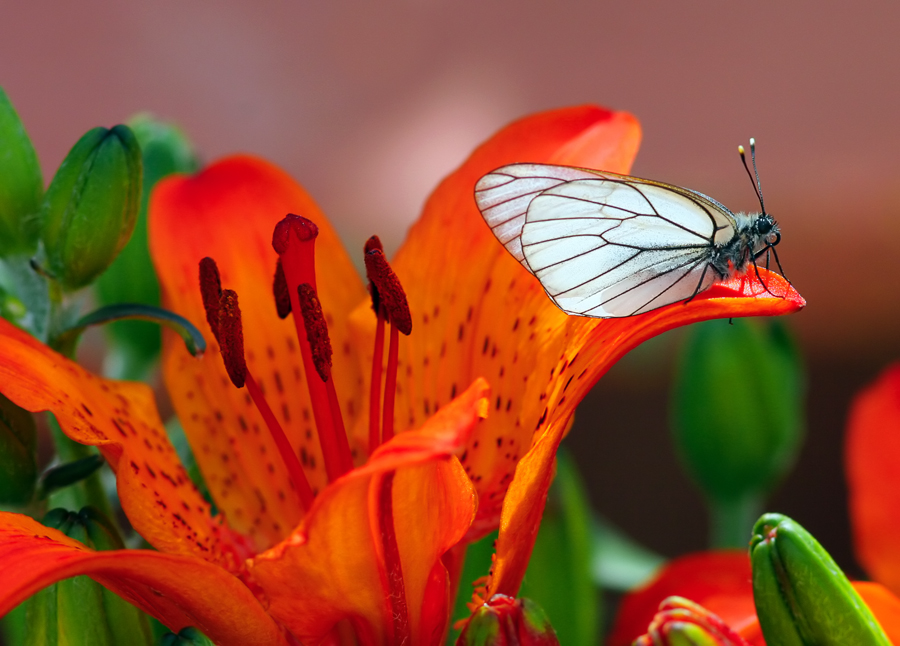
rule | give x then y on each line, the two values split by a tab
767	230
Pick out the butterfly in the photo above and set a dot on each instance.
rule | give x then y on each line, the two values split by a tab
608	246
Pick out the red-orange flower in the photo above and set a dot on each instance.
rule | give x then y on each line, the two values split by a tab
721	583
873	477
269	562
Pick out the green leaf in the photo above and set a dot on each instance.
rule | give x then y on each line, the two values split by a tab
66	340
619	563
18	454
67	474
559	577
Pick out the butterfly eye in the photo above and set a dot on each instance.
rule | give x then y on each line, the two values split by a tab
764	224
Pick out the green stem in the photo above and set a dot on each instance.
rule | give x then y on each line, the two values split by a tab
731	521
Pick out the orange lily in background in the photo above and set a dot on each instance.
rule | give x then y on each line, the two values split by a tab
293	556
720	581
872	460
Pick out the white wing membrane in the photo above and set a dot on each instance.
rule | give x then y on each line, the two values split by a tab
601	244
503	197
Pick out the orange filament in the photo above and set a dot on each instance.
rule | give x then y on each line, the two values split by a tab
375	386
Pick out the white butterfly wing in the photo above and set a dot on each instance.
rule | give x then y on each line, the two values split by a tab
503	197
601	244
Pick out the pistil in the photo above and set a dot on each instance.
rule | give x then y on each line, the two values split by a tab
396	585
294	241
320	349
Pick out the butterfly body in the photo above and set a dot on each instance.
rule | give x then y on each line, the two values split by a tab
608	245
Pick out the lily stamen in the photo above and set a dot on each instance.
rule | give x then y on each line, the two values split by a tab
224	315
393	301
377	356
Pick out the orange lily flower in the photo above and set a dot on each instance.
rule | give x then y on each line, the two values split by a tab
273	561
720	581
203	575
873	477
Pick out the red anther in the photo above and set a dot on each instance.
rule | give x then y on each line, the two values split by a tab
231	337
316	329
304	230
390	291
374	243
281	292
210	292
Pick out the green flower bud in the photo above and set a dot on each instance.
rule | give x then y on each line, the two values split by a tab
91	206
18	454
79	610
736	414
801	595
504	621
21	185
131	278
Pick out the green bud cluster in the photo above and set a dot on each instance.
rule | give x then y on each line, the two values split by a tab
504	621
79	611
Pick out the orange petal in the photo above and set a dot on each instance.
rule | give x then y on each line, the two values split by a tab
884	605
178	590
121	419
590	348
228	212
476	311
332	567
718	581
872	455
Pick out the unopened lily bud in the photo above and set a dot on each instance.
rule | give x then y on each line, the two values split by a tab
737	407
18	454
801	595
680	622
91	206
504	621
21	185
80	609
131	278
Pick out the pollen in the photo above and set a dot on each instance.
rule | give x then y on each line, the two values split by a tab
390	291
280	292
211	291
231	337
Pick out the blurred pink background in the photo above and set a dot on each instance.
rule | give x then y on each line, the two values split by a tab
370	104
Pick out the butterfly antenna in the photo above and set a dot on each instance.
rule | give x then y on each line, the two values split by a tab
756	185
